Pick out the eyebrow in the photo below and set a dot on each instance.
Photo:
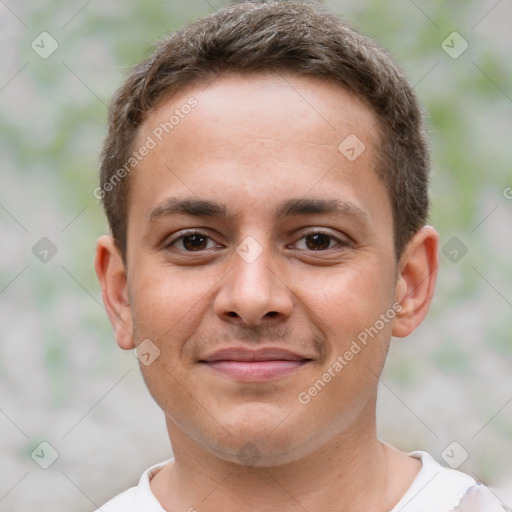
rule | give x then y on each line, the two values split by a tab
291	207
190	206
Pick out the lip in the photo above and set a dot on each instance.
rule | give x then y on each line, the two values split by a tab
259	365
260	354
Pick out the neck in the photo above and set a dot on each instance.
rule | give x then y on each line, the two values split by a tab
353	471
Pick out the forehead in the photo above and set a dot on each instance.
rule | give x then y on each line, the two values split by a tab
253	139
244	100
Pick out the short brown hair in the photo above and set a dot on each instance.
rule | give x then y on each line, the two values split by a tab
293	37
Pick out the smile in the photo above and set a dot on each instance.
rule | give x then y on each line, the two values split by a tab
256	371
255	365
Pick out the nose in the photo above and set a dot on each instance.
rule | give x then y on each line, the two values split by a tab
253	292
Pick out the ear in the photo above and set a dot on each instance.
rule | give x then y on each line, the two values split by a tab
417	274
111	274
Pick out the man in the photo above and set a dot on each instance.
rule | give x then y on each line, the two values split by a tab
265	179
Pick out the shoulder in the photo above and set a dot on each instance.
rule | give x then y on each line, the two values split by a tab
479	498
138	498
441	489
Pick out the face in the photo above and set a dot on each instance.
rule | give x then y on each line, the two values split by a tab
260	253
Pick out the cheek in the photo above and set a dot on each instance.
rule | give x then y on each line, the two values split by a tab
348	299
167	309
167	300
348	307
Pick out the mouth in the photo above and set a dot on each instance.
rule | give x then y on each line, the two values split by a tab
260	365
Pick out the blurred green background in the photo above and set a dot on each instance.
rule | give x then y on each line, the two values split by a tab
62	378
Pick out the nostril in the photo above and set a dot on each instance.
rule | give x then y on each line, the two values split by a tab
233	314
272	313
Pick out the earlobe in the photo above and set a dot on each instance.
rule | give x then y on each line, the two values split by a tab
416	281
111	273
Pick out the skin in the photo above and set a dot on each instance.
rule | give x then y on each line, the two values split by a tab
251	143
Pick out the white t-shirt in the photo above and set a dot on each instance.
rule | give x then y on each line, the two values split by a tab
435	489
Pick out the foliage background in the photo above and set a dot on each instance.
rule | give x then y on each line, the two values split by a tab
63	379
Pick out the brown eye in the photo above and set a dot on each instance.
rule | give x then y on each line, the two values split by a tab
318	241
194	242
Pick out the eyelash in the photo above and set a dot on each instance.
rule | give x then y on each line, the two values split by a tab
340	243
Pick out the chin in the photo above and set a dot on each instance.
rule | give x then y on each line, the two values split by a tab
262	442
